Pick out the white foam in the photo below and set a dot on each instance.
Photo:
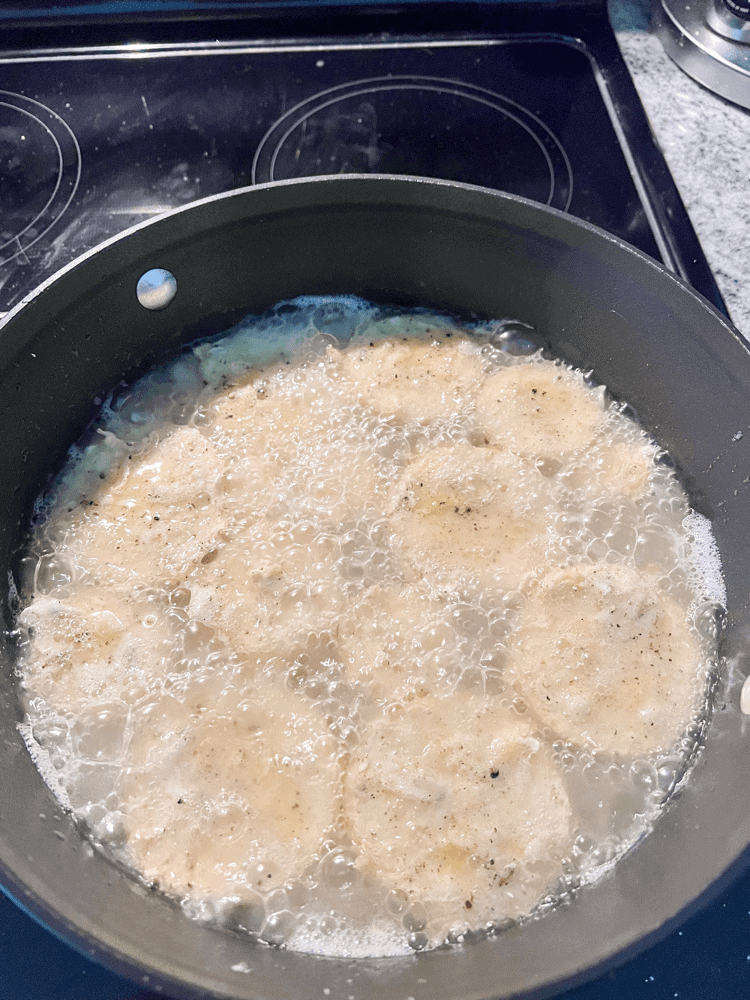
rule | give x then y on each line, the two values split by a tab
41	758
705	556
377	941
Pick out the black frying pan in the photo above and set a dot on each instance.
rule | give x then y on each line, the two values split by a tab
602	306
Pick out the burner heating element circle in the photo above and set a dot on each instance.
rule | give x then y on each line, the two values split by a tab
40	167
422	126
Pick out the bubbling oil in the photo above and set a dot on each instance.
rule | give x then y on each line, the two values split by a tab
359	631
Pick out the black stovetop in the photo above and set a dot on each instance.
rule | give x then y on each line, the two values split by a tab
113	113
105	125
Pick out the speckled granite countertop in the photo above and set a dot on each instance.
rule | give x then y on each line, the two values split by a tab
706	142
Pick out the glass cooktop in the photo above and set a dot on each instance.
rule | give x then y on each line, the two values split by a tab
97	138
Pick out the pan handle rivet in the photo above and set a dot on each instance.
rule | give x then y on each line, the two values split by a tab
156	288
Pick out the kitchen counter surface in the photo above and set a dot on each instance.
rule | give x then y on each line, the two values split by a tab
706	142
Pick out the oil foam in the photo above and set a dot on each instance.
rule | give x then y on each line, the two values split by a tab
277	656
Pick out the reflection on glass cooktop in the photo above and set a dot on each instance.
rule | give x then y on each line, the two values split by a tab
90	146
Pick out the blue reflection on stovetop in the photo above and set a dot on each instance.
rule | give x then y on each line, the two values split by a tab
705	959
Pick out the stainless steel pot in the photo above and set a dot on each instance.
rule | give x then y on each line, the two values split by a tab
602	306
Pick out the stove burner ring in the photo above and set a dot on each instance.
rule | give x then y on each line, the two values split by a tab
344	130
40	168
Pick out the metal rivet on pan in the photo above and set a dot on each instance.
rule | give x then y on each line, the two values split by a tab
156	288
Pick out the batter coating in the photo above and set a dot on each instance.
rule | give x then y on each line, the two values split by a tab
154	515
553	414
84	651
301	435
459	508
341	612
229	796
457	800
603	658
404	642
413	380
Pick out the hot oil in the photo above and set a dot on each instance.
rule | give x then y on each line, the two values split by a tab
297	591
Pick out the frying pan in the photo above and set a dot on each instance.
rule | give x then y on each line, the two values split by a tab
601	305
